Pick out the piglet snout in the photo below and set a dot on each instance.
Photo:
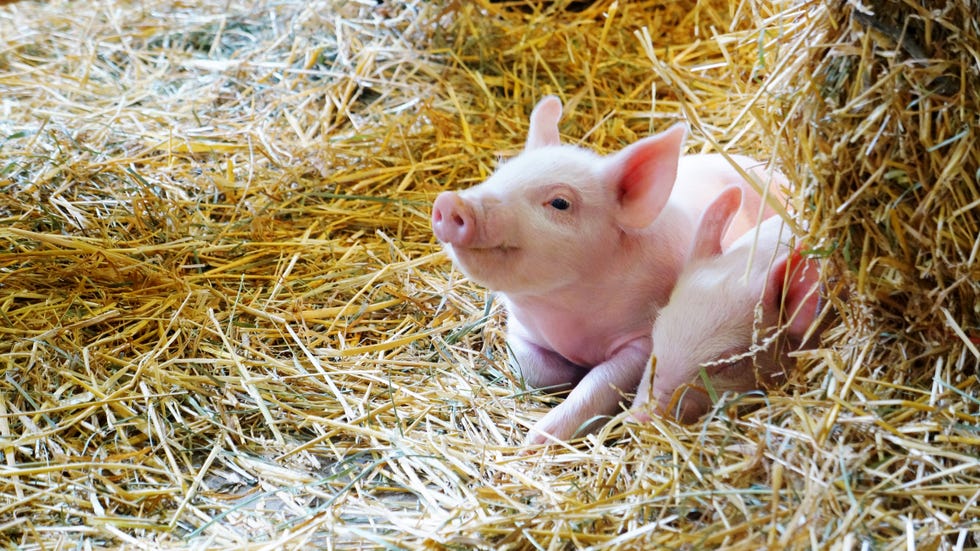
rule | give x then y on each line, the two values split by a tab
453	220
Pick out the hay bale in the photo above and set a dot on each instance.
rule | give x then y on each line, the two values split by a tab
876	122
885	116
226	323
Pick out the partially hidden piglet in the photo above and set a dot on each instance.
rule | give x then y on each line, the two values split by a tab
734	315
583	249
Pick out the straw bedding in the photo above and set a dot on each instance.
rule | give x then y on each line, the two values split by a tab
226	323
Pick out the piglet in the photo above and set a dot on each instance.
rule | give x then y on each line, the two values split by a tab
583	250
733	316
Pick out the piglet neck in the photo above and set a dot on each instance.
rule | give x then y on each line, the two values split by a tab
637	268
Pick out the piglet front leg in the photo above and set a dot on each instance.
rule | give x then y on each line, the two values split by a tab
540	367
599	393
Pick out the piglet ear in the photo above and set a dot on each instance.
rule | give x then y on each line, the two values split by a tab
643	174
544	123
796	280
714	223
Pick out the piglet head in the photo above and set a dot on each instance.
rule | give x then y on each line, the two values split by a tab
698	324
555	213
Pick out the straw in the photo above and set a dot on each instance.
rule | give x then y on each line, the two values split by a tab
226	323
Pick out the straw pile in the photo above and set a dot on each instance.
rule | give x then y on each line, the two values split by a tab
226	323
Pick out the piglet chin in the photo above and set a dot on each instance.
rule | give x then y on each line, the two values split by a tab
484	265
509	271
482	259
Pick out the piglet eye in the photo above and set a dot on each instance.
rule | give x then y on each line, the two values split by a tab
560	203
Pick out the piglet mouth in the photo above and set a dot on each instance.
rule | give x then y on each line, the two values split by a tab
499	250
485	265
494	248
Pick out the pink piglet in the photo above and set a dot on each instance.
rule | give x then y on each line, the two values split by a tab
733	316
583	250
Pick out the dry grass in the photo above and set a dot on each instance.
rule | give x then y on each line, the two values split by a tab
226	323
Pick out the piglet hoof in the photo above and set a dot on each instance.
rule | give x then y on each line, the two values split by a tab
542	436
534	440
557	426
562	424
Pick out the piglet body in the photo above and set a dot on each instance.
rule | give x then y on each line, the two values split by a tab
711	320
583	250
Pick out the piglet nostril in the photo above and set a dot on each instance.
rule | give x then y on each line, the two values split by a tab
458	220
